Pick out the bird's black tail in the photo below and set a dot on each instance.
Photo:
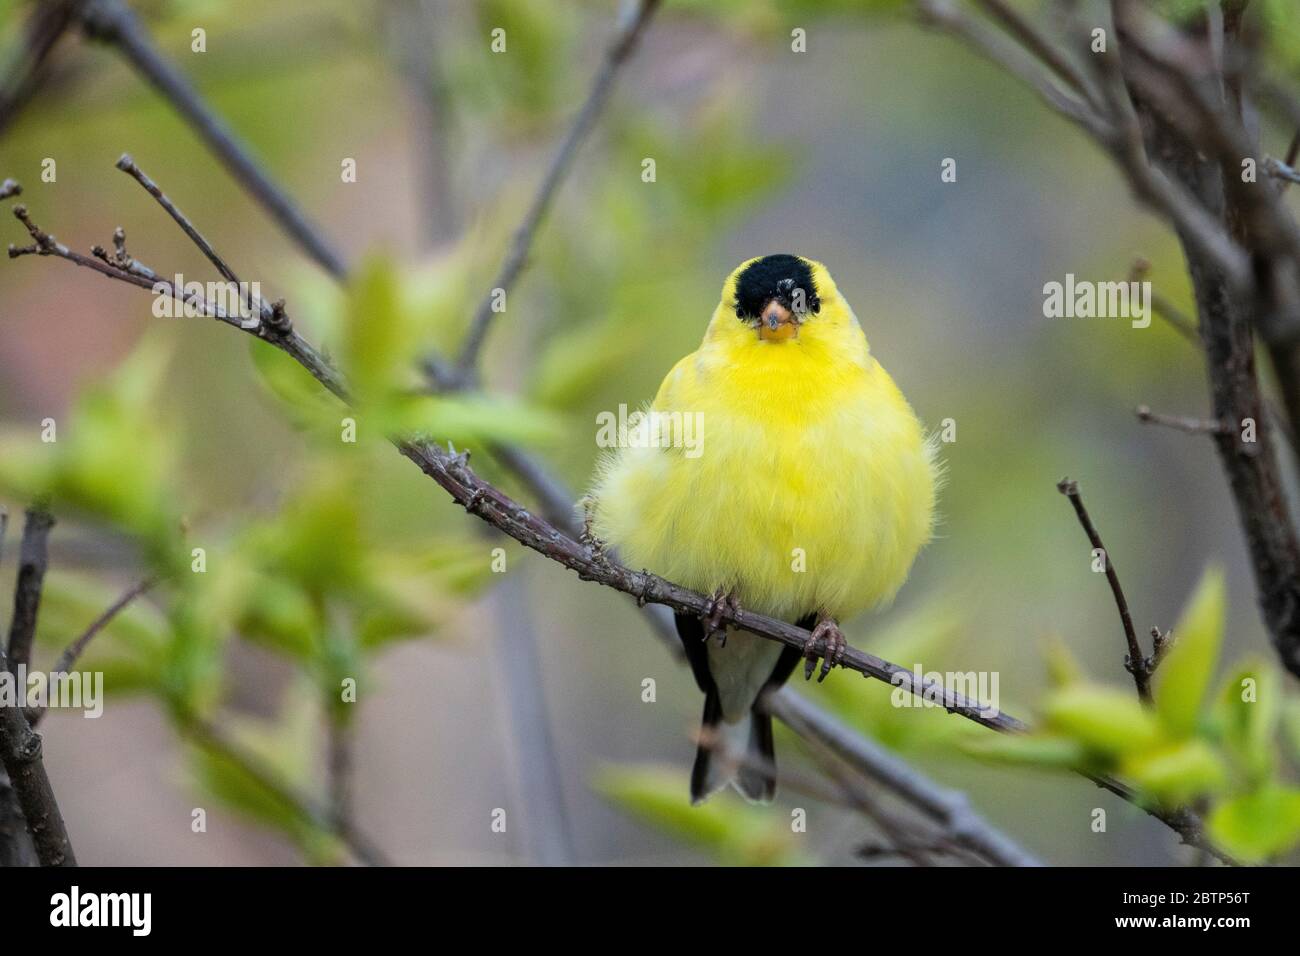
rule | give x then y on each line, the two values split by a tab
743	752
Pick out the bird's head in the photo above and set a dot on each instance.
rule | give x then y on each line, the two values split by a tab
780	301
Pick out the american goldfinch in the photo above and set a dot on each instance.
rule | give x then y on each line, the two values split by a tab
806	497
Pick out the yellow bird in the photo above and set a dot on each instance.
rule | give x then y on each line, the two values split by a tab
805	494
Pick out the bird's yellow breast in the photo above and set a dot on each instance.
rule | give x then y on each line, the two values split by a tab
812	488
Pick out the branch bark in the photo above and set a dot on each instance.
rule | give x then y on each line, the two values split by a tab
33	559
20	746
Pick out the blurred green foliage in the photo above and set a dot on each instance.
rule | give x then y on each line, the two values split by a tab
1191	747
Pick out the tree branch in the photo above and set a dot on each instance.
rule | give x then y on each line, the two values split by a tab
49	21
950	809
33	559
114	22
1135	662
1231	236
74	650
20	746
16	847
620	49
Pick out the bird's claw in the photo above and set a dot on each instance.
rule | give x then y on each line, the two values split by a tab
720	604
828	636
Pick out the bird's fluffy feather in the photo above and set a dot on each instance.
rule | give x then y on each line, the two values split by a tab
813	490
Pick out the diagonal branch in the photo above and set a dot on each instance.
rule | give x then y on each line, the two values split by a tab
1135	662
618	52
114	22
49	21
74	650
950	809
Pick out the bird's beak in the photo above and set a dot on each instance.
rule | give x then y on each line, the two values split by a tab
777	323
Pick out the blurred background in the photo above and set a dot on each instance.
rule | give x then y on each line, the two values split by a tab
834	153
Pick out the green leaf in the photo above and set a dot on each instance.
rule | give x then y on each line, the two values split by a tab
1248	712
1032	750
1103	719
286	747
1258	825
1291	725
300	396
1185	673
736	832
377	337
1176	773
468	420
1063	668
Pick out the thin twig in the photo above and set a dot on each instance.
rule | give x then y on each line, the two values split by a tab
618	52
74	650
113	21
1135	662
48	23
1281	170
1030	37
1193	426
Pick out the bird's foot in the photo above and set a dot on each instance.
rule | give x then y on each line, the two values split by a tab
827	642
720	604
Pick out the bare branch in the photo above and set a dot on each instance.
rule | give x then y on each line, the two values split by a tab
1032	39
1193	426
20	746
74	650
990	44
620	49
16	847
33	559
114	22
49	21
1136	662
950	809
1281	170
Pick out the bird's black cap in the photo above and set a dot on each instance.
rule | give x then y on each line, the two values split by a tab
775	277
